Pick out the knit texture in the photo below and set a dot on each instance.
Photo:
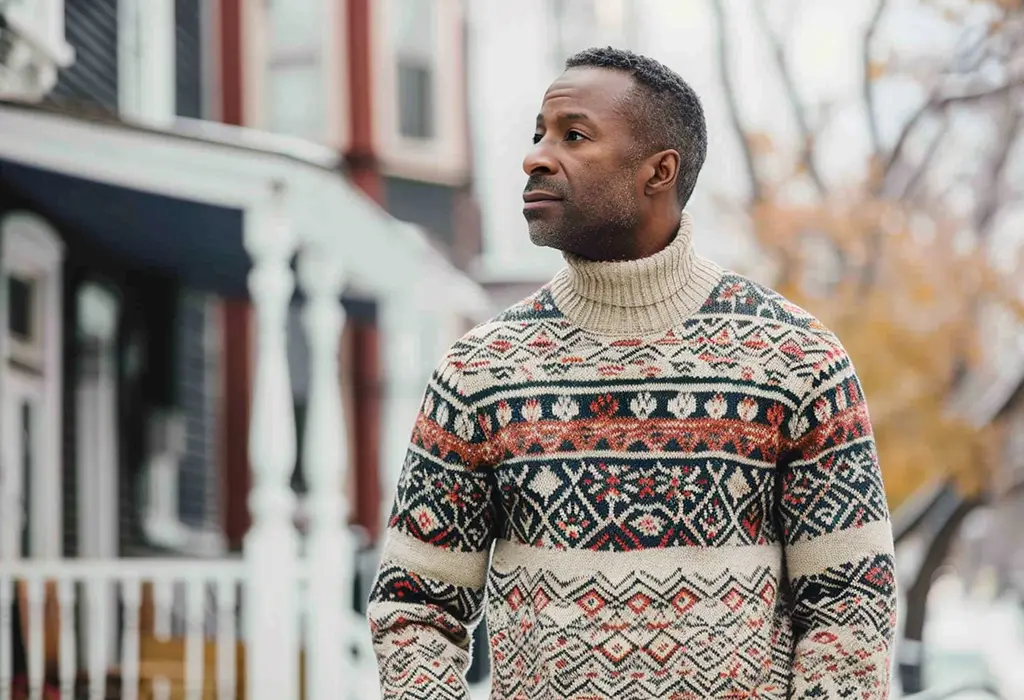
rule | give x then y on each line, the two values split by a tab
659	479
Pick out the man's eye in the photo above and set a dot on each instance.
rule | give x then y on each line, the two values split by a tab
536	139
574	136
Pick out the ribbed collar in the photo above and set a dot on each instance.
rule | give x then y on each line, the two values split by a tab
637	296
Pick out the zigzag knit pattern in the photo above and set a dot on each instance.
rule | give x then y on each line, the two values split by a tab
658	479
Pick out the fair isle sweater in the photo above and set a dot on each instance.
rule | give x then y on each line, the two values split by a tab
659	479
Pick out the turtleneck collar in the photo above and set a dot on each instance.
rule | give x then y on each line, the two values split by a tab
637	296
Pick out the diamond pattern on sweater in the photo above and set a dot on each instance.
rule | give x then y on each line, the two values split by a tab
644	636
625	505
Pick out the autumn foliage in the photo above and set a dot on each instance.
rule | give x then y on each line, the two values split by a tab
891	260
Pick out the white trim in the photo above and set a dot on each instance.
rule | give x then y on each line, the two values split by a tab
32	247
37	50
146	60
445	158
230	167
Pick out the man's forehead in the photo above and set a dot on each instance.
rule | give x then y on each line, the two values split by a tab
591	90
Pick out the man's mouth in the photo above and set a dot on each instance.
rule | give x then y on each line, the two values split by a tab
536	199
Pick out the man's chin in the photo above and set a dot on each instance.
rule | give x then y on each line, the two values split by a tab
545	229
544	236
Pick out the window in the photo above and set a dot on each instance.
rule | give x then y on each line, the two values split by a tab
414	39
21	315
415	103
25	320
296	79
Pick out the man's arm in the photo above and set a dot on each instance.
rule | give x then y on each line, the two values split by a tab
838	542
429	591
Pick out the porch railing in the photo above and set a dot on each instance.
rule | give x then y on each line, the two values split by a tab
148	628
278	573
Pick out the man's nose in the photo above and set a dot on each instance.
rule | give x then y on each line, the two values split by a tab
539	160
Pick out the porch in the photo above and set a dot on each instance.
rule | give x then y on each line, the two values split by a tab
279	622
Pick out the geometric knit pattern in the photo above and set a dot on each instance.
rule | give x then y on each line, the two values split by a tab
683	502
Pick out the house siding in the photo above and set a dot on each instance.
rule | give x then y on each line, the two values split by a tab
90	26
188	58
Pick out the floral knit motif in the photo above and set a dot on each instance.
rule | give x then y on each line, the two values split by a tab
659	479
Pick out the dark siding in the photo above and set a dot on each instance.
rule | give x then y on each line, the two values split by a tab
90	26
188	56
196	379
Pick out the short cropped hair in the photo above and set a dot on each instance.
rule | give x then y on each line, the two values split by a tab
667	112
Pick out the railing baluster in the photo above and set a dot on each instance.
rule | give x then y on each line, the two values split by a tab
96	589
163	602
6	638
36	637
195	609
226	611
131	598
68	662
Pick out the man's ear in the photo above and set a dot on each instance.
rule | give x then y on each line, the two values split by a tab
664	169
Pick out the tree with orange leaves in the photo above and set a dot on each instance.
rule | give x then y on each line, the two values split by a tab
897	260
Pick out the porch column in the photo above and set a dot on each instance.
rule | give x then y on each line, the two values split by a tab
271	545
96	437
329	547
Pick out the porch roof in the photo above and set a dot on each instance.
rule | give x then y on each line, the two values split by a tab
174	199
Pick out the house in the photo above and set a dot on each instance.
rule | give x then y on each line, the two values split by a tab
205	319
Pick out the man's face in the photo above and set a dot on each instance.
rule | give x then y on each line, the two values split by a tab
582	194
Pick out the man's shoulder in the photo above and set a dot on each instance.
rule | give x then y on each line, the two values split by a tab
738	295
538	306
482	352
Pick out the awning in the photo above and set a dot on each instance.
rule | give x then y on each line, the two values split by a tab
175	200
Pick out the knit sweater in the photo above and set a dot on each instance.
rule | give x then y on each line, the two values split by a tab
659	479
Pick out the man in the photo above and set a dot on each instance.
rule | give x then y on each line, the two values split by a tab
673	465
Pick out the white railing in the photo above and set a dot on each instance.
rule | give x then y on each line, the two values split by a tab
185	597
175	630
294	593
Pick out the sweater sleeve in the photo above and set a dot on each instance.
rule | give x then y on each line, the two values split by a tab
429	590
837	541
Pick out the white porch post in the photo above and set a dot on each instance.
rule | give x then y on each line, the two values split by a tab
271	544
329	548
96	397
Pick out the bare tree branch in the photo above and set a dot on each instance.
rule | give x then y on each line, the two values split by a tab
992	187
868	85
725	76
937	104
793	95
914	181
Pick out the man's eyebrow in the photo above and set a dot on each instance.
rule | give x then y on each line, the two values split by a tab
566	117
